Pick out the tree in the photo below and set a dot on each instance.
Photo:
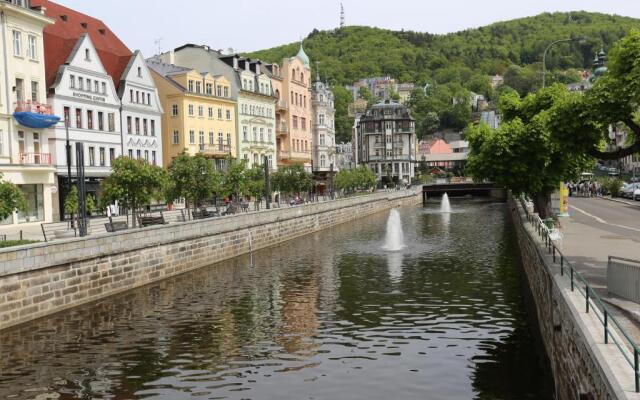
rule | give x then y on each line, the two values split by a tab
255	183
365	93
90	204
235	179
193	178
292	179
11	199
343	123
133	183
526	154
351	180
71	202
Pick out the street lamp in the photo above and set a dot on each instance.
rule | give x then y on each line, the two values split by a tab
544	55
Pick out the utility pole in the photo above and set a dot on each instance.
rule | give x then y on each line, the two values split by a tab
267	183
82	210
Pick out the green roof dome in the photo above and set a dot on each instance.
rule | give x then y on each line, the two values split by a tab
303	56
600	71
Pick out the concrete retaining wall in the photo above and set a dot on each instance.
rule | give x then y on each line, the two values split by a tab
583	366
42	279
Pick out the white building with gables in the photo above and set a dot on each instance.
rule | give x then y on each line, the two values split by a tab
141	112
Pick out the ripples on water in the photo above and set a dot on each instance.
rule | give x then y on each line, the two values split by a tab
328	316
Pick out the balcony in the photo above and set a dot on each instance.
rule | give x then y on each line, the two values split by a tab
259	144
281	105
214	149
293	156
34	158
32	114
282	130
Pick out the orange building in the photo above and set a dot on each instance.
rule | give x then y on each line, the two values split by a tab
292	87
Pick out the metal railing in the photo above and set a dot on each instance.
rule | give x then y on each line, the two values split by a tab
35	158
612	330
33	107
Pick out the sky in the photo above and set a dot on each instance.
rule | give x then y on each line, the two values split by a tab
246	25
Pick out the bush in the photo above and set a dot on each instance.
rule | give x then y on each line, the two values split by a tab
11	243
612	186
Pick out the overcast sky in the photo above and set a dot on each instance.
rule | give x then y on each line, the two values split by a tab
252	25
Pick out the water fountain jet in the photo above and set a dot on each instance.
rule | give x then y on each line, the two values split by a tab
445	206
394	239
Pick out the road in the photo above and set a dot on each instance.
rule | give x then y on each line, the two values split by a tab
596	229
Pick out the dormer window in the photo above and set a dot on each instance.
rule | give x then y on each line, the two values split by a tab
102	31
64	18
87	55
84	25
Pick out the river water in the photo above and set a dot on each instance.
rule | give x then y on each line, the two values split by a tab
327	316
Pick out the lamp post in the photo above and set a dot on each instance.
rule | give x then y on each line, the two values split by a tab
544	55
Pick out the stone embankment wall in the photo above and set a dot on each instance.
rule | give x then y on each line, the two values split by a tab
42	279
583	366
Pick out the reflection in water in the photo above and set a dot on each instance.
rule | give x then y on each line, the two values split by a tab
394	263
328	316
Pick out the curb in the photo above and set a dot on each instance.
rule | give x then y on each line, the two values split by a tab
620	201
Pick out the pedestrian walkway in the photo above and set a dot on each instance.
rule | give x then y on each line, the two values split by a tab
596	229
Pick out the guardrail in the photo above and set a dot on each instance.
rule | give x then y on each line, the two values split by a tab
610	325
623	276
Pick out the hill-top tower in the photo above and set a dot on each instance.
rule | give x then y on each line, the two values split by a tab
341	16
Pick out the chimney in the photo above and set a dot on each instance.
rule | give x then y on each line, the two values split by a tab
247	64
172	57
235	62
258	67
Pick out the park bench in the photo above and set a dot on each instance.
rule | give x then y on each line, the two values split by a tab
150	220
115	226
205	213
58	230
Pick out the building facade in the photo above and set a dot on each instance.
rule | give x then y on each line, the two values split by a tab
141	112
387	142
292	83
25	157
256	111
324	134
199	113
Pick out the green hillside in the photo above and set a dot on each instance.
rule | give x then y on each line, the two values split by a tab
462	60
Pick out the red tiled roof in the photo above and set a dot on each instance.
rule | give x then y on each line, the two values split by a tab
61	37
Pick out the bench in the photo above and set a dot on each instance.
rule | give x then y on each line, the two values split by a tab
204	213
115	226
151	220
58	230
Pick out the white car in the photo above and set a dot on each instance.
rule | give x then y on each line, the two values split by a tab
636	194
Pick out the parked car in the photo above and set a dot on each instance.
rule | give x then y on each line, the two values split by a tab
296	201
636	194
628	191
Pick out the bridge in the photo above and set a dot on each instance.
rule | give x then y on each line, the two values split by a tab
463	189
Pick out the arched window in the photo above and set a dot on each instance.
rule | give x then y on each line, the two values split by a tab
302	77
293	74
323	160
277	94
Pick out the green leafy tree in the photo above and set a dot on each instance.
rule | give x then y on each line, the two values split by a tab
90	204
525	154
234	181
255	183
343	123
193	178
365	93
133	183
11	199
71	202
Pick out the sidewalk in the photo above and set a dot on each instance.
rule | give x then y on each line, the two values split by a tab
596	229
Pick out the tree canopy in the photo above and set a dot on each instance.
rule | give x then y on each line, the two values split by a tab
11	199
513	48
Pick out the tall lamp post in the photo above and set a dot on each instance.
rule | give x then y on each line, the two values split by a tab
544	55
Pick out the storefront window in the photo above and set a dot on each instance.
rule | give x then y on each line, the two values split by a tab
35	204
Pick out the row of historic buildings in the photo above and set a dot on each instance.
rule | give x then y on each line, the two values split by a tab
66	78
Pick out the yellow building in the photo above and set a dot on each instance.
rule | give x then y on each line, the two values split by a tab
199	113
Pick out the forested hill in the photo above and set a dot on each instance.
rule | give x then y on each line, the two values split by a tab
456	63
354	52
